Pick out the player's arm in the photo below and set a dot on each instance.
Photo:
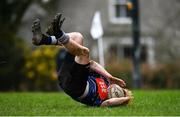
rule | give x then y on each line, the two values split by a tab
99	69
118	81
115	101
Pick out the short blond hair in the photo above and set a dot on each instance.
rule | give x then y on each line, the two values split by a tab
129	94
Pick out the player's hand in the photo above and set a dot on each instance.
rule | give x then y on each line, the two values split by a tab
121	83
118	81
55	26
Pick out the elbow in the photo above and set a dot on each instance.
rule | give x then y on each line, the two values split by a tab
91	62
106	103
93	65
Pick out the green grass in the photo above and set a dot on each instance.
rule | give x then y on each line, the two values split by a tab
161	102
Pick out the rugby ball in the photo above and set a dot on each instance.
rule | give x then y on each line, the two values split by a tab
115	91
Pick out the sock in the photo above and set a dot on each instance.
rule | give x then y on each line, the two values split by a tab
64	38
59	33
54	41
48	40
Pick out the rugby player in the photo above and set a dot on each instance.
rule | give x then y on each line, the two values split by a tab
80	77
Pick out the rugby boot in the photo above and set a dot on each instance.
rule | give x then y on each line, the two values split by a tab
38	36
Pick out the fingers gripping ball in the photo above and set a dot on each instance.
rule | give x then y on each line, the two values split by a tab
115	91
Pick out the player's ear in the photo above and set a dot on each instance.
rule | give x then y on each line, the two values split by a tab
129	94
125	93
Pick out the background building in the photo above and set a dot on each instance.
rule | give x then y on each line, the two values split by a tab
158	20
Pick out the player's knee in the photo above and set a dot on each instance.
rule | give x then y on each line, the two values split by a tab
78	37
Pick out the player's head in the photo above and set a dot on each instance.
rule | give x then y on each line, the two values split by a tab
128	93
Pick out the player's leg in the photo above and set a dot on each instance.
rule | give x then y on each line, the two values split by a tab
77	37
39	38
75	47
43	39
71	41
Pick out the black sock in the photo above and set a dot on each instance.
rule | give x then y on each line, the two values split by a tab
48	40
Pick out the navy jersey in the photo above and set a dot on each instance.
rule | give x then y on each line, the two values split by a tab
97	90
74	77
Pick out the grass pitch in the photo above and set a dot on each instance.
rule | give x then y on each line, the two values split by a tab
145	103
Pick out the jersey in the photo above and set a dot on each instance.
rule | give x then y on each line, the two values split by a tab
97	90
73	79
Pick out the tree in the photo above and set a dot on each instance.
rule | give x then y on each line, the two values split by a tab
12	48
12	12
